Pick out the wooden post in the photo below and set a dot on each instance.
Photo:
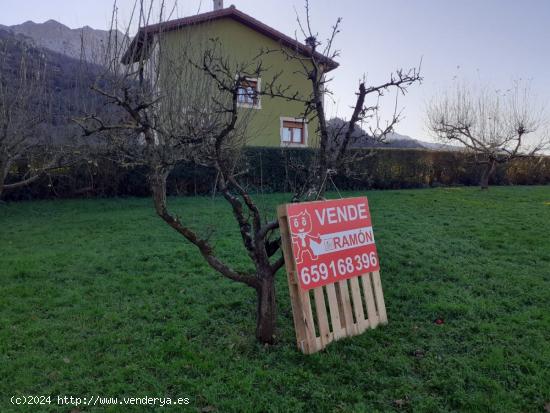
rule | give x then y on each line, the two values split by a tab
301	306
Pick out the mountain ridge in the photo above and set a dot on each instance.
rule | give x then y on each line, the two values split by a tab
83	42
362	139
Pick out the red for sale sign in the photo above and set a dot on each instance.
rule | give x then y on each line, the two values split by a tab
331	240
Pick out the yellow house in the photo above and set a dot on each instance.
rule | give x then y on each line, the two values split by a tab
277	122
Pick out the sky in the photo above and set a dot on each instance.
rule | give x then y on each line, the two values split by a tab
481	42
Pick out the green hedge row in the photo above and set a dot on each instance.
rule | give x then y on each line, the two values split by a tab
276	170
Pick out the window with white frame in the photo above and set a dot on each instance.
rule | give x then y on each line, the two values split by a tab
293	132
249	93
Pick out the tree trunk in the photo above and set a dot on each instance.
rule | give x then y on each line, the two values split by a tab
157	183
266	316
487	174
3	175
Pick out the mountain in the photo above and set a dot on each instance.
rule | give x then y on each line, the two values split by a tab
66	81
59	38
396	140
405	139
361	139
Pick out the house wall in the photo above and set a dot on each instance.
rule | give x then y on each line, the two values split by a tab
241	44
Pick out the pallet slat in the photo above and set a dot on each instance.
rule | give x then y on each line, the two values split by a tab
357	305
347	316
294	289
322	318
369	298
379	295
334	310
309	326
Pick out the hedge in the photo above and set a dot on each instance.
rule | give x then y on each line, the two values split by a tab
271	170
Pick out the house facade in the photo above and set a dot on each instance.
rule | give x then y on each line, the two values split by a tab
275	122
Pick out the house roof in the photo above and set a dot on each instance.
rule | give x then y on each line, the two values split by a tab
145	36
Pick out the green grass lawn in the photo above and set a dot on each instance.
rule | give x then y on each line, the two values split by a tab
99	297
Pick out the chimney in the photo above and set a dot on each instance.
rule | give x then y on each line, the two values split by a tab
218	5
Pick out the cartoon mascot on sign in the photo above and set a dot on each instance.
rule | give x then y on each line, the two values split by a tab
300	228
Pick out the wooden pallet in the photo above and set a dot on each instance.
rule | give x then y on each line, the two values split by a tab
323	314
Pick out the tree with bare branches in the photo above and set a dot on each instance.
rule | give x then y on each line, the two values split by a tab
495	126
27	141
333	155
181	103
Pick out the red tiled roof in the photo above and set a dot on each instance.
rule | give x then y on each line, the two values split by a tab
229	12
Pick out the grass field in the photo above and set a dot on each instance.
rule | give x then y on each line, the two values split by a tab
99	297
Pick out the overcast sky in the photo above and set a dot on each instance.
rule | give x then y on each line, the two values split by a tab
480	41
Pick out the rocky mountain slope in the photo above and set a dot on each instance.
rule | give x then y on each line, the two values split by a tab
66	81
59	38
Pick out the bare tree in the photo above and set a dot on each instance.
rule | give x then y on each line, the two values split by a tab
181	103
494	126
333	155
26	115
